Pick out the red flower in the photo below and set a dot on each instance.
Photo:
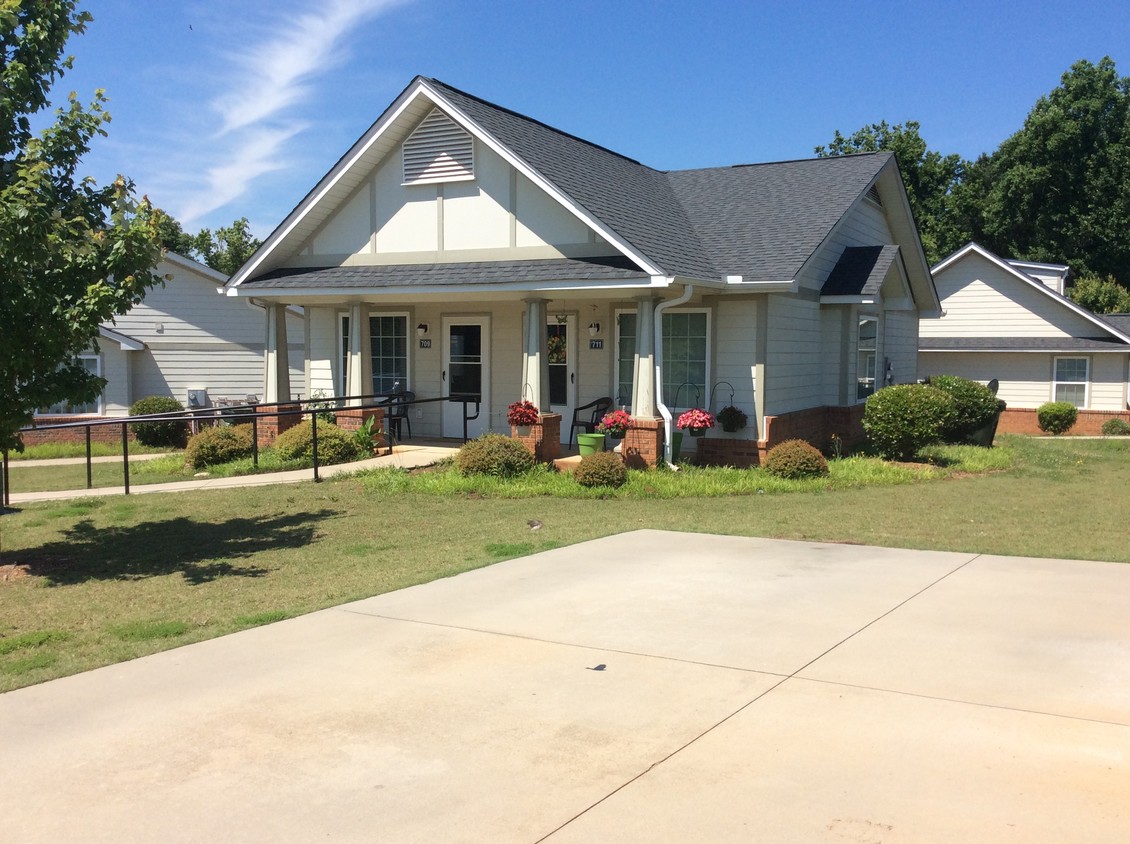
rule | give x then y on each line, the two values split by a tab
616	423
695	418
522	413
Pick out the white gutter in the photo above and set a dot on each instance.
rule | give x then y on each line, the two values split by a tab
664	411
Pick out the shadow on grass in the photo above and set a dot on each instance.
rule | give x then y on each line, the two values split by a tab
201	551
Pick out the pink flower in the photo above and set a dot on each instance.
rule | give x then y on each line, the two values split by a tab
695	418
616	423
522	413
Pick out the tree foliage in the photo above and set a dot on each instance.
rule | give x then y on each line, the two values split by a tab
1058	190
929	176
72	254
226	249
1100	295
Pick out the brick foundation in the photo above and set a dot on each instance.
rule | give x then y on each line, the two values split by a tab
543	439
643	444
815	425
1022	420
98	433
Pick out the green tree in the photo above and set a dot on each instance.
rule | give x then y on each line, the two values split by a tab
228	248
1059	188
1100	295
929	176
72	254
174	237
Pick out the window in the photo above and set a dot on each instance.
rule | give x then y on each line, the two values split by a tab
1071	381
685	357
93	365
625	357
388	350
867	350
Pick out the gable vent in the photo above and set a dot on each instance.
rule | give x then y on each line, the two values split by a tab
873	195
438	151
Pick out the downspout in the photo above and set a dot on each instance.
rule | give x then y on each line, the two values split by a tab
664	411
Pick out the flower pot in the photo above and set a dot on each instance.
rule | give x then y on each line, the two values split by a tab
590	443
616	435
698	432
523	430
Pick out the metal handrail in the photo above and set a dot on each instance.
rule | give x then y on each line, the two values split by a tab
251	411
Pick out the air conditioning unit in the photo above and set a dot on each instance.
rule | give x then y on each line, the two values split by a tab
197	399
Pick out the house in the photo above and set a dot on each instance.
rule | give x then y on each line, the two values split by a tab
184	340
482	252
1009	321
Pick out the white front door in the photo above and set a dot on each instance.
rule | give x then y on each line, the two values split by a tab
561	351
466	372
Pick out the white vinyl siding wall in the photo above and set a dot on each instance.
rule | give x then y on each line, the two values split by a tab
864	226
735	351
794	362
981	299
901	345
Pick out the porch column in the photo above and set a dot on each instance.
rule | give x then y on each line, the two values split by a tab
276	365
359	375
644	391
535	359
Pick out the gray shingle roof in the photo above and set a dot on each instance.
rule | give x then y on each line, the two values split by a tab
764	221
860	271
1121	322
1021	344
426	275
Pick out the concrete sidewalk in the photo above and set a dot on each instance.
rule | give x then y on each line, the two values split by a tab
646	687
403	456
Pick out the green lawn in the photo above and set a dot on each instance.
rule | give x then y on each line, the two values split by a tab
89	582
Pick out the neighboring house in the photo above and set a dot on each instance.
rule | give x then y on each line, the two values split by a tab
489	254
1009	321
185	337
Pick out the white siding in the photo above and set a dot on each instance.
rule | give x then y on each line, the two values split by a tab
1026	379
900	345
794	356
350	230
864	226
116	364
838	372
734	354
982	299
541	221
324	363
476	215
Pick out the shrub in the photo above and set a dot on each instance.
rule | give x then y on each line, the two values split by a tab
903	418
605	468
1056	417
221	444
171	434
334	444
494	454
974	406
795	459
1116	428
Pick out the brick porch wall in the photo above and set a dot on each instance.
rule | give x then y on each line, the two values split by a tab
543	439
269	427
1022	420
643	444
349	419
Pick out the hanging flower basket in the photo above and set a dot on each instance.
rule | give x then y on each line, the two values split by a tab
522	413
731	419
696	420
616	424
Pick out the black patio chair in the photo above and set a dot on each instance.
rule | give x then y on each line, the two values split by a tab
397	411
588	416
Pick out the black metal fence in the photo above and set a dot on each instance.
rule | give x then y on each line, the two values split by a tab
247	413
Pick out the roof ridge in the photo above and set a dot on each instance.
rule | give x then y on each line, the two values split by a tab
810	160
535	121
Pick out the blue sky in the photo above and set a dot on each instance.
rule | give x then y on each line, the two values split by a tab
230	109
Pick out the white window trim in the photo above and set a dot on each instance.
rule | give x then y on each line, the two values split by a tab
408	335
343	351
1086	382
99	405
626	400
705	398
875	385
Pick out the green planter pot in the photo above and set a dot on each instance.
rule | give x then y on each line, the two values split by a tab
590	443
676	444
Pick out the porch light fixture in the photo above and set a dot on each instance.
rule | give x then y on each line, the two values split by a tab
422	329
594	329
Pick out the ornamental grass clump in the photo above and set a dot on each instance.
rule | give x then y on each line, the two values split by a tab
172	434
1056	417
901	419
494	454
974	406
605	468
220	444
795	459
334	444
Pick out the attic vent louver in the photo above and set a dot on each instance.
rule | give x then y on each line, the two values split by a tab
438	151
873	195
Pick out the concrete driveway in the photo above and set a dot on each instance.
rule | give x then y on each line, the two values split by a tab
645	687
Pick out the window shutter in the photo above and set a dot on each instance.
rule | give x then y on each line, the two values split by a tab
438	151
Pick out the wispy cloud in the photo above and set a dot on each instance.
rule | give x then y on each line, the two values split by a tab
261	103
